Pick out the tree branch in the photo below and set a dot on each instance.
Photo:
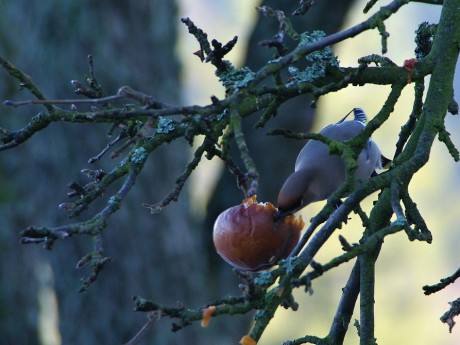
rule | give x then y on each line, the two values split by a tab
448	316
371	23
346	307
252	173
26	81
429	289
245	97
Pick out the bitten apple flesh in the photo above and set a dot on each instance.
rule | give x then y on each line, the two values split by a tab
247	237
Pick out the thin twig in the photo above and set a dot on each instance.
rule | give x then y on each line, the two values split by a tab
120	136
26	80
429	289
230	305
444	136
180	181
48	235
421	231
16	104
151	318
395	204
251	168
304	7
448	316
123	92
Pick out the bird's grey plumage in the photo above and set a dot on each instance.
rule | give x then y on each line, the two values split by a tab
318	174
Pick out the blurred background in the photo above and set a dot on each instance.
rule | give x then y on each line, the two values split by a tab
169	257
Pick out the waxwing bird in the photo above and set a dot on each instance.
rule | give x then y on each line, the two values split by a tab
318	174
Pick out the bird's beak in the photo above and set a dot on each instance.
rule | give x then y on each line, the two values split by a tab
280	214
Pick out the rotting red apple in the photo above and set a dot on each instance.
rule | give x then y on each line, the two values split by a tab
247	237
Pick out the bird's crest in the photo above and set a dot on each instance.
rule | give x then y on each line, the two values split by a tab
359	114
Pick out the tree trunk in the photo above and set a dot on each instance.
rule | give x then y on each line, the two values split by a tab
156	256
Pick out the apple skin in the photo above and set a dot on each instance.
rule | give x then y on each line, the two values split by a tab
247	237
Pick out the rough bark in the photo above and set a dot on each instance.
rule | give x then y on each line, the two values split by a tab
132	44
